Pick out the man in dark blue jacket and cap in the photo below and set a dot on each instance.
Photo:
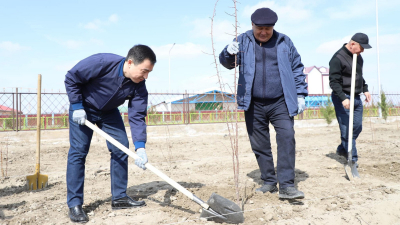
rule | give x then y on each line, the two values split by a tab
271	88
96	86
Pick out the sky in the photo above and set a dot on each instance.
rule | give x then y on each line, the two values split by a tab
50	37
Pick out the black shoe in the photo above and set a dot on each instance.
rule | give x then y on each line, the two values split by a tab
267	188
290	193
342	154
77	215
126	202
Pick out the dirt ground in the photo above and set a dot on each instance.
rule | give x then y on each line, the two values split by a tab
198	157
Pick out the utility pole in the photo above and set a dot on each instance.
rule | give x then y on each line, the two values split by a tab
169	69
377	53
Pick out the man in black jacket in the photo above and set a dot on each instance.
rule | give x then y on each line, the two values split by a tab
340	68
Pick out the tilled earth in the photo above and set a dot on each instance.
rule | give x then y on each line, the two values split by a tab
199	158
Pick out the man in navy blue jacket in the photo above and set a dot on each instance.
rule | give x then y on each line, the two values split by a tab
271	88
96	86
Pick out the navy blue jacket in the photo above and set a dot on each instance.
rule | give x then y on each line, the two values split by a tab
290	70
98	82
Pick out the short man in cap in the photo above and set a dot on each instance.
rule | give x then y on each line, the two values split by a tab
271	88
340	68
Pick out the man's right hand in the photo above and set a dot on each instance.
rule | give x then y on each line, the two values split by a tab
79	116
233	48
346	104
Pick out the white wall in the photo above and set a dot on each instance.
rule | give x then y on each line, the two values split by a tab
315	82
327	88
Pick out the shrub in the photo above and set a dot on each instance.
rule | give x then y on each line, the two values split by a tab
384	105
328	111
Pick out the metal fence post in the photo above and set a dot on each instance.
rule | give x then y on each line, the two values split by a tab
16	106
13	107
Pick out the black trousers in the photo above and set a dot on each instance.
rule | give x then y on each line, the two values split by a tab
258	117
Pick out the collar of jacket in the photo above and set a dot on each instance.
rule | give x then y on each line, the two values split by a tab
347	51
121	68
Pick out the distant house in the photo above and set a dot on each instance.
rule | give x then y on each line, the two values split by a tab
211	100
6	111
318	80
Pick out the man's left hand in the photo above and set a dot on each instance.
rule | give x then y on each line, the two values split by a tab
301	104
367	97
141	152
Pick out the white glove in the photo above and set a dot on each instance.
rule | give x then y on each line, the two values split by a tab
233	48
143	158
301	104
79	116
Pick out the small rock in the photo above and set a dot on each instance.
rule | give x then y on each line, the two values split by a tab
251	202
269	217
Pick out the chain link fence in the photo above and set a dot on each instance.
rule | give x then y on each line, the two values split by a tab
18	109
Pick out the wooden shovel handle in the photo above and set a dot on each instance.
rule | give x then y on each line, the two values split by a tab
148	165
38	122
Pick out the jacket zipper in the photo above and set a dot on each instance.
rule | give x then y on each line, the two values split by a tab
264	74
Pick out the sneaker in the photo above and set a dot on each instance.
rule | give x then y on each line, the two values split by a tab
290	193
267	188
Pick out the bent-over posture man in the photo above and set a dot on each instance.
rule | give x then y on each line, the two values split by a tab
271	89
340	68
96	86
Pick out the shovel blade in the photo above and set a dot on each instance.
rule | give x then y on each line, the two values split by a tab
37	181
222	210
351	170
347	169
354	170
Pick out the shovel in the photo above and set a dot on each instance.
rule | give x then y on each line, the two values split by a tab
351	168
222	210
37	180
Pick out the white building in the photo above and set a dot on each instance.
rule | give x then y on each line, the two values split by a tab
318	80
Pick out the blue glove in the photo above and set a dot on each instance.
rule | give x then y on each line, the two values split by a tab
233	48
79	116
143	158
301	104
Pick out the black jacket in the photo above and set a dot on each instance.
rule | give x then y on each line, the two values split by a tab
340	68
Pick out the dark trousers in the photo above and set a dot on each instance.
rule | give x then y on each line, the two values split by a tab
80	137
258	117
343	118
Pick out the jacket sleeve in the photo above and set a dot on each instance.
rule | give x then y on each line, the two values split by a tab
228	60
365	86
298	68
137	111
335	78
79	75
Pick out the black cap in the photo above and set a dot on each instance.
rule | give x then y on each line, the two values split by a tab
361	39
264	17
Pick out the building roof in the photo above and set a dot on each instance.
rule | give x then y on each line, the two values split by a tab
321	69
7	109
201	98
